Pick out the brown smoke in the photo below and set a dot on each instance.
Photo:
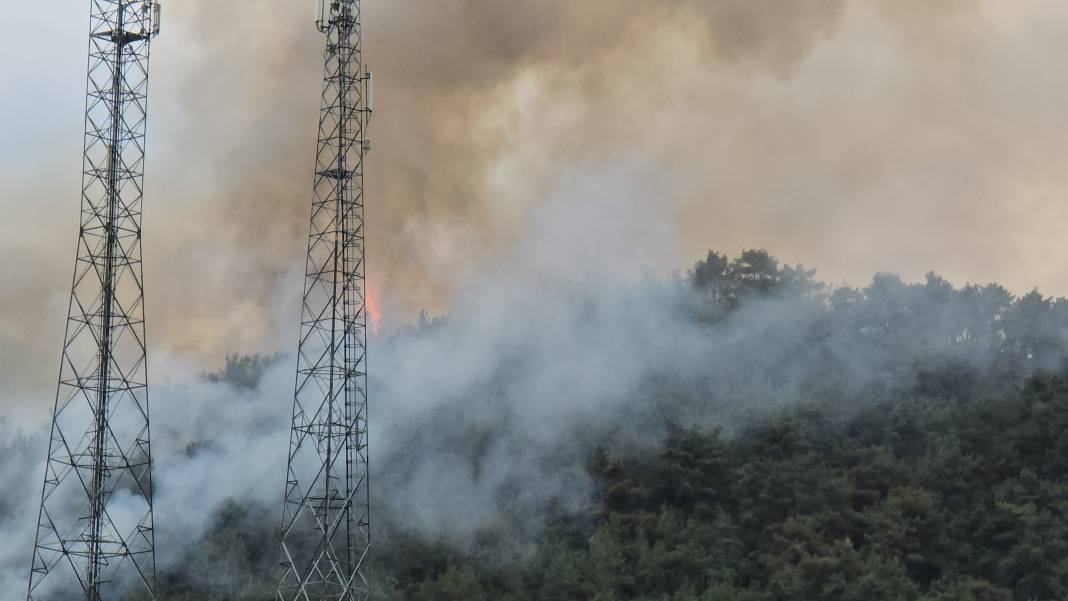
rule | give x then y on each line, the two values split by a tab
853	135
242	82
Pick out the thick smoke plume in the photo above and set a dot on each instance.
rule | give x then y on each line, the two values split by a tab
532	160
835	131
472	124
486	413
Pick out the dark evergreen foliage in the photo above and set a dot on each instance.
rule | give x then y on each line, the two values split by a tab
942	477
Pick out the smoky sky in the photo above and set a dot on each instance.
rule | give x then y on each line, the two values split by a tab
854	136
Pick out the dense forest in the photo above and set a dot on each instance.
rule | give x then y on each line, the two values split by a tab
897	442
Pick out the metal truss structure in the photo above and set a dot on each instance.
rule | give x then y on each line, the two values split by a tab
325	525
95	528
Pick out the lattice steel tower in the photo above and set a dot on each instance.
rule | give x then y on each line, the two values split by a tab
325	523
95	528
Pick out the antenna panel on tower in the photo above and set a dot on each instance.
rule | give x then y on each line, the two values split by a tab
156	11
322	13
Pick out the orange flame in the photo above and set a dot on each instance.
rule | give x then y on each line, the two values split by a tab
374	310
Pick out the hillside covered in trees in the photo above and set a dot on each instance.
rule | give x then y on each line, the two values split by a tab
896	442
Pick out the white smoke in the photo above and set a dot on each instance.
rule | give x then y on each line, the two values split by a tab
561	342
545	315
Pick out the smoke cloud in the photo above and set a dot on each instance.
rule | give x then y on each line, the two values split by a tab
491	411
539	170
857	135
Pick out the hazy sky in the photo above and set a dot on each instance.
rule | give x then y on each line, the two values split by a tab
853	136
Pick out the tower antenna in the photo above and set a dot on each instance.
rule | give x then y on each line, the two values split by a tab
325	524
95	532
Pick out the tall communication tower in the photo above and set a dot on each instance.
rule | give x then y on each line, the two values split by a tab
325	523
95	528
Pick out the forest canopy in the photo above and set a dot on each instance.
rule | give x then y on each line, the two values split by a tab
893	442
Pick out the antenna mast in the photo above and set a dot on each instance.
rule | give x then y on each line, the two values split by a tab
325	525
95	537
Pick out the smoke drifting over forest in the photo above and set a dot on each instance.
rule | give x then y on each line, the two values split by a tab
540	168
856	135
492	411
